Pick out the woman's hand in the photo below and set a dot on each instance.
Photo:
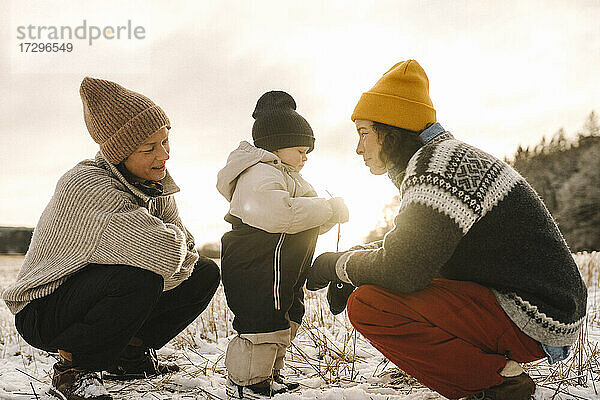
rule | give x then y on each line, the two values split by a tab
323	271
337	296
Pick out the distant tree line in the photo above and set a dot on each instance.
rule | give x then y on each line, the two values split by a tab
210	250
565	173
14	240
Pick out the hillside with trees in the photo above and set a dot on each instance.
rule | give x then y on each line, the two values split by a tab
565	173
14	240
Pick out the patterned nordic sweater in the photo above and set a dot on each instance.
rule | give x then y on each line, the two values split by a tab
465	215
97	216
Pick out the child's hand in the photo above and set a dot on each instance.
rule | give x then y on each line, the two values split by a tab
340	211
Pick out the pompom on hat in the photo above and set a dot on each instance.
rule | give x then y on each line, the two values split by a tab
277	125
399	98
119	119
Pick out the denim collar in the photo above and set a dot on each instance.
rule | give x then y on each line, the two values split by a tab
432	132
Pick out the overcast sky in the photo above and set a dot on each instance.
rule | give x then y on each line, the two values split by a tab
502	73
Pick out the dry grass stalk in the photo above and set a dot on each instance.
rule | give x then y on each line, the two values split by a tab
326	347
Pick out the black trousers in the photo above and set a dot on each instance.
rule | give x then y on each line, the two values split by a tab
96	312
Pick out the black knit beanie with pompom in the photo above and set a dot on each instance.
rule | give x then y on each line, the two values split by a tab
277	125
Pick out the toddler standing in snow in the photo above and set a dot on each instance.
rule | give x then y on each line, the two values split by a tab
276	217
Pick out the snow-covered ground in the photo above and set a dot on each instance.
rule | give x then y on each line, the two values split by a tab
329	359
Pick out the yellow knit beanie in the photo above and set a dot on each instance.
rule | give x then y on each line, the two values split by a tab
399	98
118	119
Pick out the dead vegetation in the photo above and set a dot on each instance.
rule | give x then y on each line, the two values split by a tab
326	353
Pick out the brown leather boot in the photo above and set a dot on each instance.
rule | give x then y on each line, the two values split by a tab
138	362
520	387
78	384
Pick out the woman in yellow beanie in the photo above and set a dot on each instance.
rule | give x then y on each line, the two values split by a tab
112	273
475	277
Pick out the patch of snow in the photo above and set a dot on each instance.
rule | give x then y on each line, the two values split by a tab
200	352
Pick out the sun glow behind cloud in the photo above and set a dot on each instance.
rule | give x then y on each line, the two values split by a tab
501	74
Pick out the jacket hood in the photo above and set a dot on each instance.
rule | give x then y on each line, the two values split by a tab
242	158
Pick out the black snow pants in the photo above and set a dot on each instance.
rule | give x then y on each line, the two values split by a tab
96	311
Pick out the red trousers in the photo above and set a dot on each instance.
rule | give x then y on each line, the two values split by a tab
452	336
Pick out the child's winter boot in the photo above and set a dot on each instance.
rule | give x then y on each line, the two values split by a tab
261	390
280	379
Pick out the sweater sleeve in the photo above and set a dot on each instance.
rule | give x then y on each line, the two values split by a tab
170	215
261	199
413	252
